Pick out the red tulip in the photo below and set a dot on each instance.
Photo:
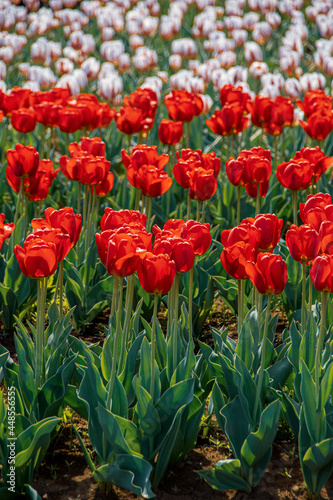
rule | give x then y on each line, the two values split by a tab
303	243
131	120
326	237
152	181
179	250
246	232
64	219
47	113
183	105
271	228
23	120
228	121
319	162
70	119
87	146
37	258
319	125
321	273
229	94
5	229
144	99
61	241
315	100
17	98
156	273
37	187
295	174
170	132
104	187
268	274
122	257
113	219
234	259
235	171
316	209
198	235
23	160
203	184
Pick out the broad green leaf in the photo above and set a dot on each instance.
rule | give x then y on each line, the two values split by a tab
226	475
129	472
315	417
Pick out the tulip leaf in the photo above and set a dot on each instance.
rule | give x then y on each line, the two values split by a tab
230	376
315	417
166	445
237	426
226	475
122	435
293	353
244	348
219	403
307	349
326	384
258	443
246	387
129	472
32	439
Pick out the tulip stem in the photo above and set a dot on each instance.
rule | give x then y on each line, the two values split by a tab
198	209
324	298
262	361
188	207
238	204
115	348
190	304
137	199
303	316
175	324
240	305
203	212
310	296
114	302
153	329
259	309
61	286
25	211
188	134
40	341
149	202
79	198
294	202
128	313
258	200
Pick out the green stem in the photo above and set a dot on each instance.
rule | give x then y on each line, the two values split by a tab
188	207
115	348
188	134
324	299
203	212
25	202
114	302
40	341
303	316
262	361
61	289
175	323
137	199
294	202
79	198
240	305
198	209
153	329
190	304
259	309
128	315
238	204
149	210
310	296
258	200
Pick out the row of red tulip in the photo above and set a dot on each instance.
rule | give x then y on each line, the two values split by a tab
56	108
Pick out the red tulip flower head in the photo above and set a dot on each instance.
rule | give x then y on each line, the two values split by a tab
5	229
170	132
268	274
156	273
321	273
303	243
183	105
38	258
316	209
